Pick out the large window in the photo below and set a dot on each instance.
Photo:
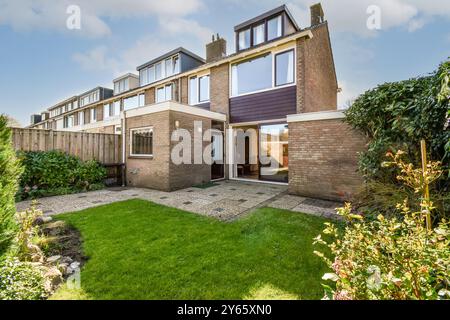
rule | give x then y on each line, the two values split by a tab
142	142
80	118
252	75
244	39
193	90
164	93
116	107
130	103
89	98
274	28
284	66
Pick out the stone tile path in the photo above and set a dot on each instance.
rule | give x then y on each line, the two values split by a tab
227	200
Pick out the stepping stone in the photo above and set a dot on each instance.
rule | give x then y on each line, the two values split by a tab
80	197
162	198
260	193
233	189
213	195
218	209
242	200
47	211
97	201
319	203
135	195
187	202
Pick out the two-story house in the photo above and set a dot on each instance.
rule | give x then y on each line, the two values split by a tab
280	85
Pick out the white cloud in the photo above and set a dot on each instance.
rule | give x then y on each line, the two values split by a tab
26	15
96	59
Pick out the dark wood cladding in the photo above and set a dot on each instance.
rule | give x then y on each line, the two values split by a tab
268	105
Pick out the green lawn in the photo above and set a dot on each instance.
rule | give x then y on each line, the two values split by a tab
141	250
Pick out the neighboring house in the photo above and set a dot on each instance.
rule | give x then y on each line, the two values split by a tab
280	81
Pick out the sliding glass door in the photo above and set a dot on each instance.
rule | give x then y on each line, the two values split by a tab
273	152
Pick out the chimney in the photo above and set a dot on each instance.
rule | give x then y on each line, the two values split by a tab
317	15
216	50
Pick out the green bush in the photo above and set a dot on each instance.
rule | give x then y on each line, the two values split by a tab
10	171
390	257
20	281
55	173
398	115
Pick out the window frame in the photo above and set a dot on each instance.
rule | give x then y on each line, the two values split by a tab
275	68
196	101
274	52
131	142
199	89
163	87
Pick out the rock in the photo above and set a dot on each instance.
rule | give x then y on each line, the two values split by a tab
63	268
54	259
47	219
66	260
53	278
75	265
38	221
54	228
69	270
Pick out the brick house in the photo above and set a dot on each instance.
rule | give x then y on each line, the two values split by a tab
280	85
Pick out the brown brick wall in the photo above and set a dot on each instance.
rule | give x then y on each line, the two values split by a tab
219	93
150	96
184	90
186	175
316	77
158	172
150	172
323	158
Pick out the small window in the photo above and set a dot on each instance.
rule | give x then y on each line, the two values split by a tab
116	108
142	142
284	65
176	65
151	74
158	71
93	115
193	91
244	39
274	28
160	95
169	69
141	100
259	34
106	111
203	84
130	103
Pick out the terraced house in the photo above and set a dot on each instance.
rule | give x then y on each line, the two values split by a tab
280	82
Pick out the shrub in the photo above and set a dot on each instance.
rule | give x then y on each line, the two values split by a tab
396	116
391	258
27	234
20	281
54	173
10	171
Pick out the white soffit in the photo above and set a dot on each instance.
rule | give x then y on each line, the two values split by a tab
315	116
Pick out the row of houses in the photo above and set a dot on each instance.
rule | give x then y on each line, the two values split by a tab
281	81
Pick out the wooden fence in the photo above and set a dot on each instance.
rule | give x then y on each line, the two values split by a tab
105	148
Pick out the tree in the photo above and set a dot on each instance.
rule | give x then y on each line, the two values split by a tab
10	171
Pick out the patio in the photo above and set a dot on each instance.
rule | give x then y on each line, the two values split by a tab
226	200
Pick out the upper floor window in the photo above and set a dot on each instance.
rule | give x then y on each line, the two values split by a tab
252	75
116	108
274	28
284	66
262	73
106	110
93	115
89	98
164	93
198	90
121	86
80	118
259	34
160	70
244	39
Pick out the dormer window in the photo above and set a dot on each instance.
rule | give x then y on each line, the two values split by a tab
274	28
259	34
244	39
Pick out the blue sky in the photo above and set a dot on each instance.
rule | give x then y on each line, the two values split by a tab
42	62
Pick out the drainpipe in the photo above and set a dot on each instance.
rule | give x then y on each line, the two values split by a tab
124	152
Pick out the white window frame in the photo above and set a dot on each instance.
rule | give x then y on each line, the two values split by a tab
106	107
197	77
273	52
93	112
165	96
131	142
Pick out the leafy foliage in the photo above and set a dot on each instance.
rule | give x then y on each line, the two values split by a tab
10	171
55	172
20	281
398	115
391	258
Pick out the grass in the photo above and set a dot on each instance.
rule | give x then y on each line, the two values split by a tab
141	250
